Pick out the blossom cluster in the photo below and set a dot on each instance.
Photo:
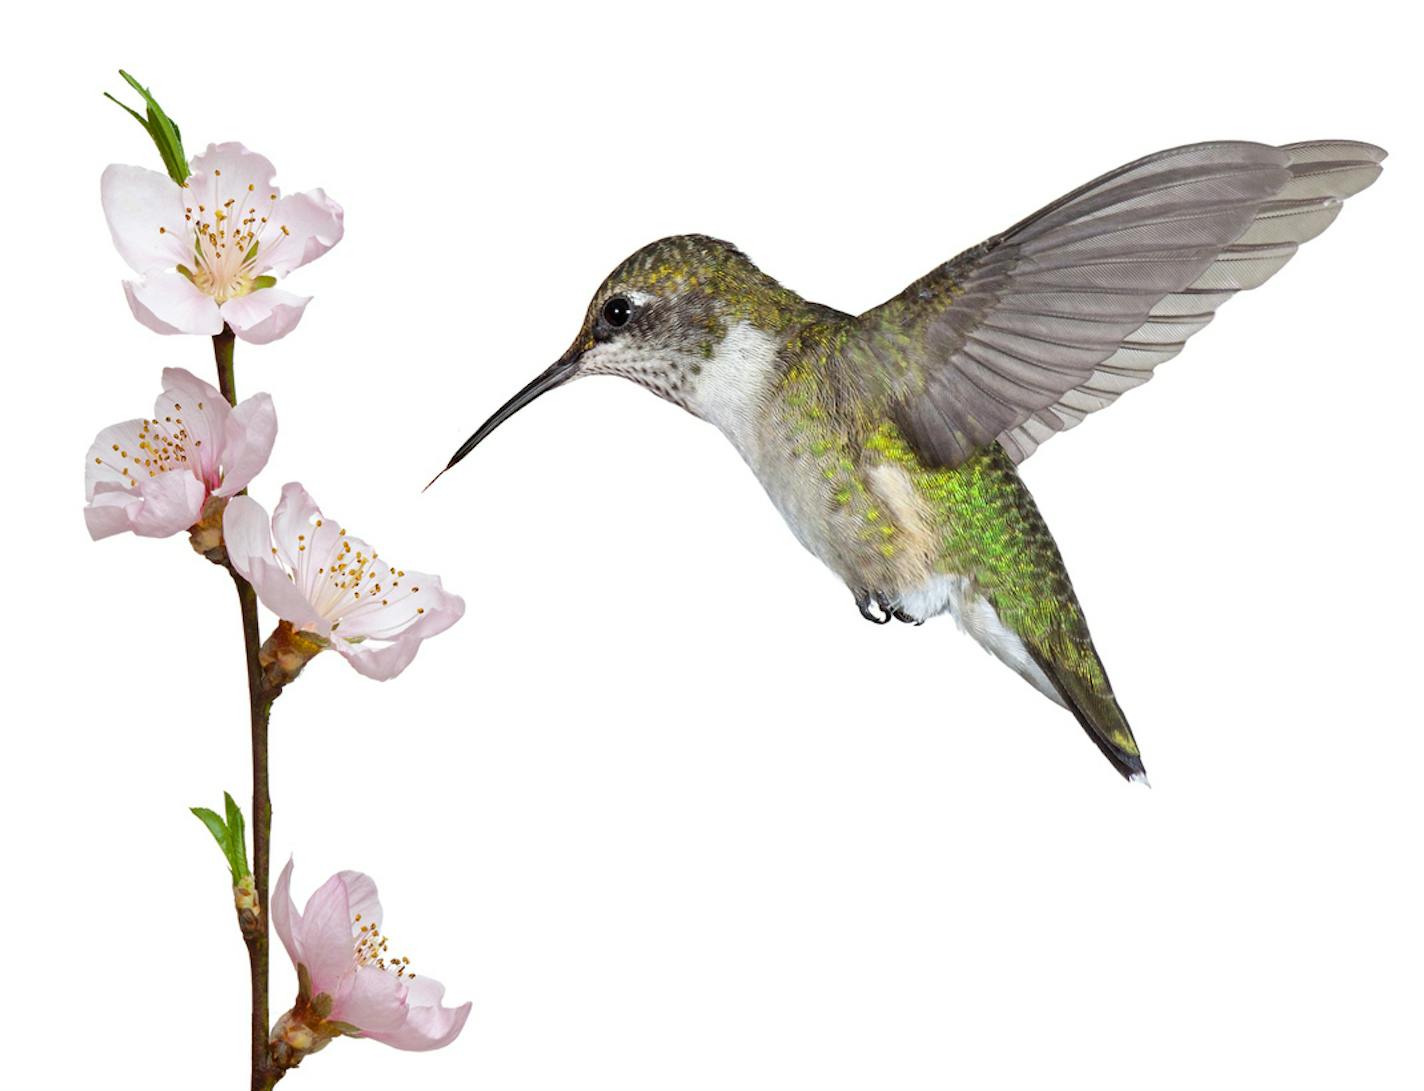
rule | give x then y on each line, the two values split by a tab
208	252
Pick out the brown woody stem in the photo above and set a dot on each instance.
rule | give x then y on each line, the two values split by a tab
260	697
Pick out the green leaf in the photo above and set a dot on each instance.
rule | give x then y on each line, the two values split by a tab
161	128
258	283
237	837
136	115
215	825
231	835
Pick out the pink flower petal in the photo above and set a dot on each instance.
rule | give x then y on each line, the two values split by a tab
374	1001
294	526
313	223
168	303
170	502
420	606
428	1025
294	521
265	315
114	450
304	547
137	203
248	537
250	431
327	948
111	509
186	388
361	897
286	921
189	405
230	172
379	661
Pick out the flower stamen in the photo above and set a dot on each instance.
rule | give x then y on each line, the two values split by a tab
370	948
228	250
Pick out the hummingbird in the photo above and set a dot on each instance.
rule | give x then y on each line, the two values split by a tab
890	440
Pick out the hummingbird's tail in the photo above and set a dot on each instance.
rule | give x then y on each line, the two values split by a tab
1089	696
1004	581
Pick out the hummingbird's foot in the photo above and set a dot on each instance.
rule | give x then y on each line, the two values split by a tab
890	609
862	603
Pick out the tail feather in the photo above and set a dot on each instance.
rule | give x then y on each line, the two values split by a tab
1095	707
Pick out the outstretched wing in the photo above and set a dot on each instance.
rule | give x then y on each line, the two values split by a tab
1029	332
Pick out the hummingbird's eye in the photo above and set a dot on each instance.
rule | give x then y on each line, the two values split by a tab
617	311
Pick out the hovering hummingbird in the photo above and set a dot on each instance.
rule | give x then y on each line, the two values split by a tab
890	441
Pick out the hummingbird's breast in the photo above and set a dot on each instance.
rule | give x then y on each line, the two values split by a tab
778	402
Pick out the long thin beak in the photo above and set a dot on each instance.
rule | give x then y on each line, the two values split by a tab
556	375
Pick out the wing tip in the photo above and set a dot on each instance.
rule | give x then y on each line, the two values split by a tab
1373	152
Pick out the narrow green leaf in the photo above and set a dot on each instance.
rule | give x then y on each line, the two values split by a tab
133	83
166	150
215	826
136	115
258	283
237	836
162	129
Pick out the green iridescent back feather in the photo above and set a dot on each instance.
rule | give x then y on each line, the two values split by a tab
991	532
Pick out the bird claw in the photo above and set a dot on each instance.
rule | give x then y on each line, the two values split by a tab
888	610
862	603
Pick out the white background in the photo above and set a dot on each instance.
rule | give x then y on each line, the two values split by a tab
663	806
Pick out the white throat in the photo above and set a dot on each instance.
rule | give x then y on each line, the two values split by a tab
732	388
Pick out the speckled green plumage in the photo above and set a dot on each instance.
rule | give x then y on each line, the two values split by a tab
985	524
831	411
991	531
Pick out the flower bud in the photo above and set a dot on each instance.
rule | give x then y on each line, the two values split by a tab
245	894
285	653
299	1037
206	535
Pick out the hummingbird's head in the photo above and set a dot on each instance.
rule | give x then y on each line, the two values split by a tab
663	319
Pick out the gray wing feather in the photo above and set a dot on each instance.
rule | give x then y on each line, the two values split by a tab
1322	175
1028	333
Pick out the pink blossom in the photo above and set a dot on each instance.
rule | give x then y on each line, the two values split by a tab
340	942
153	476
211	250
308	571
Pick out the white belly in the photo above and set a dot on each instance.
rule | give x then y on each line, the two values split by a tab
975	615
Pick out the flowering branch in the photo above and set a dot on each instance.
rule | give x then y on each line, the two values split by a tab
209	242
